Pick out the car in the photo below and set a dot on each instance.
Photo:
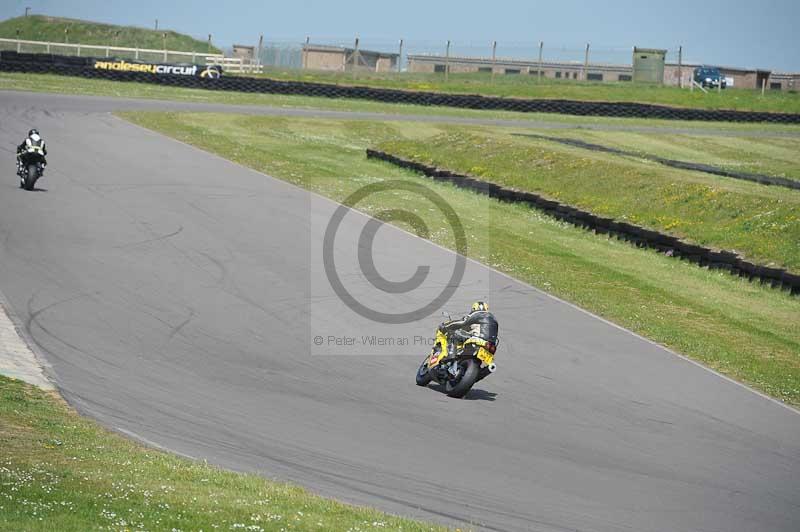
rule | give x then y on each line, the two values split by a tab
709	76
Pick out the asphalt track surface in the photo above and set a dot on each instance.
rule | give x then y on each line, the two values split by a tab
174	296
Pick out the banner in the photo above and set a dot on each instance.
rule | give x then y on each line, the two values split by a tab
160	69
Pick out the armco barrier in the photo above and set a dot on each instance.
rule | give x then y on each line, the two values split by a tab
683	165
63	65
639	236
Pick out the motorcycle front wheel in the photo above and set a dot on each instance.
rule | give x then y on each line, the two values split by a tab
423	375
457	386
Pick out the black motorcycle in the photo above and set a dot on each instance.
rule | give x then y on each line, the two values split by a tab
31	168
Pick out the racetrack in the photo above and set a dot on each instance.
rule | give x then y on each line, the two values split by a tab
175	296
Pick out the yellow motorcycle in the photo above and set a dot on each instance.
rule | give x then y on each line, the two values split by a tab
457	366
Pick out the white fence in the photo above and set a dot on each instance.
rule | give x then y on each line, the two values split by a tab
229	64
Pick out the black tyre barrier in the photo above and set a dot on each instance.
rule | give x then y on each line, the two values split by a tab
683	165
638	236
82	67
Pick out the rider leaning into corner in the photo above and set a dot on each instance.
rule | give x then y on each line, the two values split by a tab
31	142
478	323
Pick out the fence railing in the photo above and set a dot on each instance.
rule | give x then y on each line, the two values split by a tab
94	50
235	65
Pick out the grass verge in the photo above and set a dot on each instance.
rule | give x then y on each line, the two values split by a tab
743	330
60	471
97	87
762	223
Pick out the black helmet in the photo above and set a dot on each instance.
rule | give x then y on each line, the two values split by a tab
33	132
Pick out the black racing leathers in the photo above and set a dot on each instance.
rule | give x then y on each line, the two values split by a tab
480	323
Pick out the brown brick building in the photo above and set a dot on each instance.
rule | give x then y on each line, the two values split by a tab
340	58
554	70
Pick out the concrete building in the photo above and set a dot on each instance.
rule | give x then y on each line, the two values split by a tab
340	58
550	69
784	81
244	52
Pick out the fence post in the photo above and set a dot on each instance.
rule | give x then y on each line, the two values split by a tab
260	49
400	57
763	86
79	50
539	72
194	57
48	48
447	63
108	51
586	63
164	36
680	67
305	52
494	58
355	58
136	54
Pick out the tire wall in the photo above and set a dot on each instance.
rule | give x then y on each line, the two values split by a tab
83	67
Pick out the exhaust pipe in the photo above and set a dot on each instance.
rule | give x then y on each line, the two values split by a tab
492	367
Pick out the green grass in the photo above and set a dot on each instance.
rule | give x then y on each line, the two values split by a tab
743	330
768	156
97	87
51	29
525	86
760	222
60	471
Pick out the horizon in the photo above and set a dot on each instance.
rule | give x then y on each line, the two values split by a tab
612	32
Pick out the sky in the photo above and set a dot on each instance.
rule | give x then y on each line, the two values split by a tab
763	34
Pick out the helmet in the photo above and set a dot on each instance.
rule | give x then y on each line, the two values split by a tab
33	132
479	305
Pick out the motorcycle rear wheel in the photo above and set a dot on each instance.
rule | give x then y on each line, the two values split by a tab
467	375
31	177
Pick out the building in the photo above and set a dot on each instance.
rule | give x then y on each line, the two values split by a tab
648	65
784	81
740	78
244	52
340	58
550	69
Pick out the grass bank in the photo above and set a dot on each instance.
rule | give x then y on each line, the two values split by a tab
526	86
743	330
96	87
762	223
60	471
59	29
776	157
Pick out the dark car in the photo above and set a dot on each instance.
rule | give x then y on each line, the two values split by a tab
707	76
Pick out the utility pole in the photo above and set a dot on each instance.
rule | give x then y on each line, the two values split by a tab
586	63
494	58
305	51
156	28
209	43
164	38
447	63
680	67
400	57
27	10
539	73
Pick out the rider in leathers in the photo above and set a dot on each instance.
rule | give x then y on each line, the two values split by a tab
32	140
478	323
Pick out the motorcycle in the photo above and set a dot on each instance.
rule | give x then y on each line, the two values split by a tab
457	366
31	167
